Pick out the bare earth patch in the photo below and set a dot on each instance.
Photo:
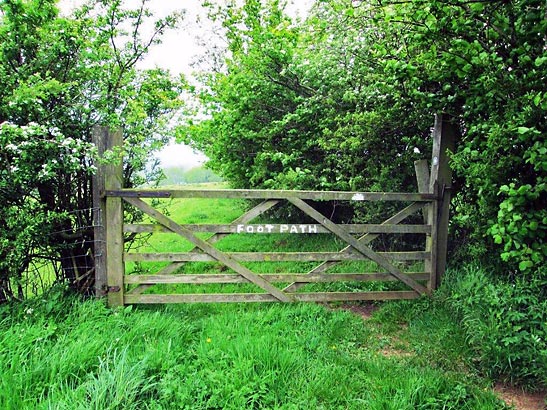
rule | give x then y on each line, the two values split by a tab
364	310
521	400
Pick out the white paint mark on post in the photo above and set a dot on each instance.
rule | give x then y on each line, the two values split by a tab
358	197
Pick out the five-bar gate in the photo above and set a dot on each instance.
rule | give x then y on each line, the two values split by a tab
431	204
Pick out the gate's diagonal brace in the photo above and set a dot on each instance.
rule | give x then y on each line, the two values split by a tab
358	246
210	249
242	219
366	238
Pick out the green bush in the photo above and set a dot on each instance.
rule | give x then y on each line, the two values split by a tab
505	322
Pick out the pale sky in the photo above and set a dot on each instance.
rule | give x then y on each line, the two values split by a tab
178	50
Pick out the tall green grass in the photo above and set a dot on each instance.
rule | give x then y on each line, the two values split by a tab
505	323
58	352
81	355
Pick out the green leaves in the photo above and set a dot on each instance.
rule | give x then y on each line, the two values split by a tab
521	227
59	77
351	92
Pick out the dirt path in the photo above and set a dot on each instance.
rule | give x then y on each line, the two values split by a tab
521	400
513	396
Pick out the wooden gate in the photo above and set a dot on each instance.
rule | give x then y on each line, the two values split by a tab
357	240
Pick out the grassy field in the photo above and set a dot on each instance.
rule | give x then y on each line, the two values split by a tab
63	353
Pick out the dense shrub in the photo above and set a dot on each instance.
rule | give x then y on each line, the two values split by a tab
505	322
345	100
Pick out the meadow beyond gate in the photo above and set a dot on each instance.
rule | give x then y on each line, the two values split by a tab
336	272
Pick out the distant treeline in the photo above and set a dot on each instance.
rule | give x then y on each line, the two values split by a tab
196	175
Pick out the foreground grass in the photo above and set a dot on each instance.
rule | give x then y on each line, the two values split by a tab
81	355
63	353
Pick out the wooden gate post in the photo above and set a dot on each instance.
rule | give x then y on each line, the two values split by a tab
98	137
445	134
109	267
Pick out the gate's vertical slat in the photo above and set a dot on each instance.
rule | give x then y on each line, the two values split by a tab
434	217
114	226
422	178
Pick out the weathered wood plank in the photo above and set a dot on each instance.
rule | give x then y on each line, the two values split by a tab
272	256
422	178
422	175
270	277
271	194
433	216
114	228
359	246
445	135
99	137
260	297
210	249
282	228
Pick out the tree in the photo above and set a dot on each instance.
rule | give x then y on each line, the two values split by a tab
58	77
292	109
483	64
345	101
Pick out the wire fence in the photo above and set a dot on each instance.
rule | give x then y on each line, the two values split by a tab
68	256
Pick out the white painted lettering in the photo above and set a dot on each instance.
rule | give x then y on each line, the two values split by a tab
284	228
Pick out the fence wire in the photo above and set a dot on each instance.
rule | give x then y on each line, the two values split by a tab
70	253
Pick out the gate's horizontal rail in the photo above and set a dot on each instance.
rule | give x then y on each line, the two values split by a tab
263	297
272	256
282	228
271	194
270	277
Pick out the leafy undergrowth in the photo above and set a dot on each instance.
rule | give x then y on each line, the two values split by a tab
64	353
